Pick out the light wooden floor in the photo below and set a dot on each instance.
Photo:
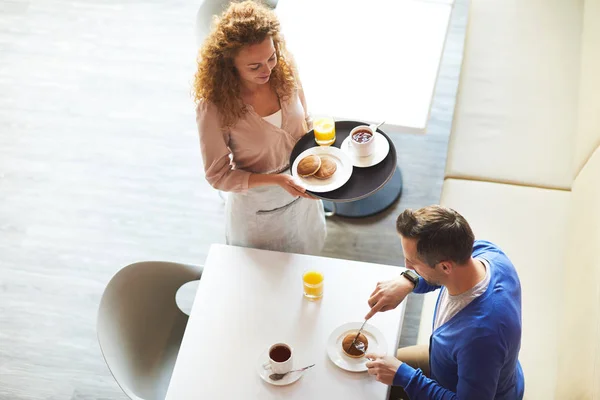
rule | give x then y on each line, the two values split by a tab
100	167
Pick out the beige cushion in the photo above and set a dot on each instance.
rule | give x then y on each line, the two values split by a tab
516	111
580	335
529	224
426	323
588	135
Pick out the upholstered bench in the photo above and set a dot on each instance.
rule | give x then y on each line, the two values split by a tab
524	169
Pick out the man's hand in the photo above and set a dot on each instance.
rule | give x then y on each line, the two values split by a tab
387	295
384	368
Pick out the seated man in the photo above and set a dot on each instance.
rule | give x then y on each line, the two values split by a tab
473	351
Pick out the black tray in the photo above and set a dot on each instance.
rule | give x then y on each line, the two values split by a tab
364	181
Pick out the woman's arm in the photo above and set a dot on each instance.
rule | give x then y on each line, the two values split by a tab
216	154
217	163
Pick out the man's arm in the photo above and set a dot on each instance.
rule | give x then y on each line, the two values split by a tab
424	287
388	294
479	365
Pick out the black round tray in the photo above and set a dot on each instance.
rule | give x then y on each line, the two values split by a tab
364	181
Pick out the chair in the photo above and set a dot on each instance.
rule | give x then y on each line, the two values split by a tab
140	326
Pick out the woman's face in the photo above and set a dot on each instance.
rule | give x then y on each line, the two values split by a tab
255	62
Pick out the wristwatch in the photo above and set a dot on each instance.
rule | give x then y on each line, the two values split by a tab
411	276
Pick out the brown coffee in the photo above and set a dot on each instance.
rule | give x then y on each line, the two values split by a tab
362	136
280	353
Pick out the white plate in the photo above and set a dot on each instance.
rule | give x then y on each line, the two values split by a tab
264	372
337	180
377	344
381	150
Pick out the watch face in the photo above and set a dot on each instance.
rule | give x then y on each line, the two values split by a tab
411	276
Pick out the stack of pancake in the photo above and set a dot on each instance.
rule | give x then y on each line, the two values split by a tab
320	167
351	350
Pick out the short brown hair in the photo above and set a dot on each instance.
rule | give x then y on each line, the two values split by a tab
441	233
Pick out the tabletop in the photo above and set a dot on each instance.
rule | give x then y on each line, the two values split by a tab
374	60
249	299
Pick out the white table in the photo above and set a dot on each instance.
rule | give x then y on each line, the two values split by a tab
373	61
249	299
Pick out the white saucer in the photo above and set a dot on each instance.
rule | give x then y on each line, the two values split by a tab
337	180
264	372
381	150
377	344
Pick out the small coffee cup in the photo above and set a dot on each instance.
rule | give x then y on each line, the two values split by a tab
362	140
281	358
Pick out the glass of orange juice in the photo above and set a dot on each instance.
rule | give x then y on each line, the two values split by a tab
313	284
324	128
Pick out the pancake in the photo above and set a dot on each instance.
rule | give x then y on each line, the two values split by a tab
308	166
328	168
353	351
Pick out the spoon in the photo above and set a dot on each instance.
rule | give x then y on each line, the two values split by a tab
277	377
357	335
374	127
360	346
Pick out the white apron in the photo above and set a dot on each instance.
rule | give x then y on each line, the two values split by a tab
269	218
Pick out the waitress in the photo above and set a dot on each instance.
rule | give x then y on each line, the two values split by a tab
251	112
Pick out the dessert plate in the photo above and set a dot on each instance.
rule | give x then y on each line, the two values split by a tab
337	180
377	344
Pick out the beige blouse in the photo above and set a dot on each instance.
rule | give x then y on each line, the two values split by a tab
252	145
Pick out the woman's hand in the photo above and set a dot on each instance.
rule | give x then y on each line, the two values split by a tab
291	186
287	182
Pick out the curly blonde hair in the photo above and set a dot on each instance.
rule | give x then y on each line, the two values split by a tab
217	81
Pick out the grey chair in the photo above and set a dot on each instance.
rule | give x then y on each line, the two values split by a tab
140	326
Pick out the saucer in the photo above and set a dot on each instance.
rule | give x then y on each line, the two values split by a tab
380	151
377	344
264	372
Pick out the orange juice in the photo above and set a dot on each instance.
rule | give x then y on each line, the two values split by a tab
313	285
324	129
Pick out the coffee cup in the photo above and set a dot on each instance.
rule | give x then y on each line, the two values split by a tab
281	358
362	140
